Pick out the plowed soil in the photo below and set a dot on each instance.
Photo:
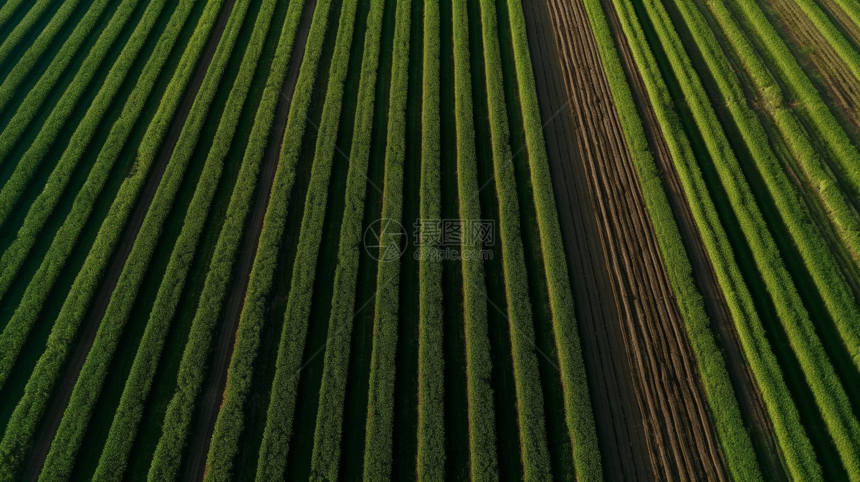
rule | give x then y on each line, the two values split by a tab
650	412
57	405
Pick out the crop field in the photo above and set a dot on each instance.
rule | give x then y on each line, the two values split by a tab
573	240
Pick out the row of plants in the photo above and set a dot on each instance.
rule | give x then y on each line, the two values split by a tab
192	368
46	84
431	363
479	365
533	442
739	455
8	9
833	36
89	384
850	7
820	375
230	421
67	441
578	413
325	460
28	411
22	27
16	331
47	200
808	158
272	459
31	56
800	87
790	434
380	400
818	258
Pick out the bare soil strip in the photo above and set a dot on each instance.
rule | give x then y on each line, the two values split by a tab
679	439
213	392
54	414
749	400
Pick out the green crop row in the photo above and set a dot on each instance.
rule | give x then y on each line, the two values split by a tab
833	36
7	10
789	432
192	368
825	385
534	450
380	400
67	441
279	419
47	200
28	60
57	120
578	413
793	134
45	85
828	129
817	257
482	432
850	7
22	27
431	363
24	420
228	426
37	291
739	454
325	461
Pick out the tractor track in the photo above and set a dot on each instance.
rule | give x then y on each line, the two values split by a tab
679	441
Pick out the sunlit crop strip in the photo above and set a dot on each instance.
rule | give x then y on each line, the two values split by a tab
325	460
229	423
23	27
8	9
578	413
380	400
482	424
533	443
282	405
431	364
45	86
22	425
192	368
790	434
833	36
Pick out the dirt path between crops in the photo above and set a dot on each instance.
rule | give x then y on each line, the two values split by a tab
746	392
664	430
57	406
217	378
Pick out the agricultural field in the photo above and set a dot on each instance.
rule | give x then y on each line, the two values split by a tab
429	240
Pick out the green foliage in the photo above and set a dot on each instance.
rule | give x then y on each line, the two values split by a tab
578	413
533	444
230	420
833	36
482	431
24	420
431	363
192	368
44	205
30	57
125	423
23	26
279	420
820	375
380	403
800	87
851	8
327	435
47	82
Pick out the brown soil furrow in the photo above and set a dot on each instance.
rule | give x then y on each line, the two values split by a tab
678	428
57	406
619	422
852	29
216	382
748	397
